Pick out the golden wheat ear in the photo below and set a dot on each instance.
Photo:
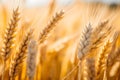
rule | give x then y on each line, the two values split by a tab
102	60
31	59
10	34
18	58
113	54
100	33
50	26
85	42
113	67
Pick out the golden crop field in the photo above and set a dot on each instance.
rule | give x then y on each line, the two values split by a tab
79	41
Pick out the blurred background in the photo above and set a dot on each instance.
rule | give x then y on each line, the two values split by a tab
62	2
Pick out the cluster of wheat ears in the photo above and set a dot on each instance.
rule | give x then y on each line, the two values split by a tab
96	54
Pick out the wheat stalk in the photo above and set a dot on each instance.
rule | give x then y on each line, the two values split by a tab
17	60
83	47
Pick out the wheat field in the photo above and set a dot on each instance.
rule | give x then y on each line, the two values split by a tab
79	41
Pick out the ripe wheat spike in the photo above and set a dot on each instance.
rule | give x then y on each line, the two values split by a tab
50	26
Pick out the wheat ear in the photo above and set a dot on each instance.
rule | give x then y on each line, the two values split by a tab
15	64
85	42
50	26
100	34
31	59
100	27
113	54
102	60
9	34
